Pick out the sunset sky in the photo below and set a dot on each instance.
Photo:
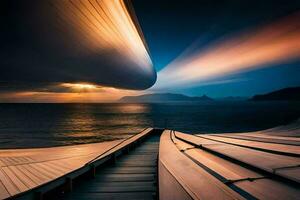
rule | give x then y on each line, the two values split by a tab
99	51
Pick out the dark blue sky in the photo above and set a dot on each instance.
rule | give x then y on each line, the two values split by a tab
172	26
41	48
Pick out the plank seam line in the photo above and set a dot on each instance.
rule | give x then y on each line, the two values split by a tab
184	186
62	158
254	148
33	174
219	177
126	139
245	164
229	181
4	187
57	168
222	179
59	165
62	165
20	179
16	187
52	171
255	140
41	172
26	174
286	167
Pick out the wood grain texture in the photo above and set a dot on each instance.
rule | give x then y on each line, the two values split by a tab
182	172
24	169
254	183
132	176
269	162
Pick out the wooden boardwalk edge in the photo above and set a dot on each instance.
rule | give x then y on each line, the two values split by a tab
66	179
189	166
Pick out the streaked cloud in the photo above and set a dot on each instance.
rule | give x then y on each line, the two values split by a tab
273	43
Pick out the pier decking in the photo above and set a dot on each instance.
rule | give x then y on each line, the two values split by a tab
230	166
32	172
132	176
162	164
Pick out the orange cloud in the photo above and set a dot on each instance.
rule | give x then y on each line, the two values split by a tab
68	93
276	42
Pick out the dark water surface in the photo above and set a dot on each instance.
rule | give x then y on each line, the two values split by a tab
39	125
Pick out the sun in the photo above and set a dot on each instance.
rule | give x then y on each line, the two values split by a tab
80	87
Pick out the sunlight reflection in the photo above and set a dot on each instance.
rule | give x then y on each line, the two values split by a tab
86	123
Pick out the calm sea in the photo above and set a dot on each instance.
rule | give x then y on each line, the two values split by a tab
40	125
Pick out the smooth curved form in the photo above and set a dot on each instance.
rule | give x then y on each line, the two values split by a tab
56	41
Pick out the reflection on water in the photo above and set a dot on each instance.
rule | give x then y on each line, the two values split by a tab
87	123
35	125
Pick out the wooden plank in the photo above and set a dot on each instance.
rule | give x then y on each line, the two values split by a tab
124	177
132	174
262	160
23	177
118	189
262	134
112	196
1	162
120	184
3	192
23	169
61	164
49	170
152	160
141	164
16	160
136	163
233	172
264	146
142	157
290	130
265	161
130	170
187	173
269	189
292	173
30	174
17	182
58	168
260	139
36	173
6	161
10	186
228	170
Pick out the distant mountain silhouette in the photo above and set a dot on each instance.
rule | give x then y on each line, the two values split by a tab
162	97
233	98
290	94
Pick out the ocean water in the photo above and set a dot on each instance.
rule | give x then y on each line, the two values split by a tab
43	125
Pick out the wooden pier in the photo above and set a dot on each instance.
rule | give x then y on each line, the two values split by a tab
254	165
160	164
132	176
31	173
